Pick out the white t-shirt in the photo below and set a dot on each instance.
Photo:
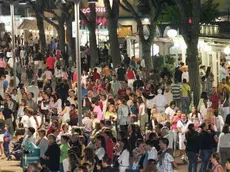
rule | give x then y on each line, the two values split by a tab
100	153
142	106
25	120
170	112
152	154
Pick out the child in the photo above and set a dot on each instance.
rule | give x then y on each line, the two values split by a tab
6	143
64	74
64	147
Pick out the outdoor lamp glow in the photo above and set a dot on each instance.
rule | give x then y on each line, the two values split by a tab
172	33
227	50
146	20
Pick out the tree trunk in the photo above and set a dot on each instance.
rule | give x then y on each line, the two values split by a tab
41	29
114	42
93	47
61	33
193	69
146	50
71	43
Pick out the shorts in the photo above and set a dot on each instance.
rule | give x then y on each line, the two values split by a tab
1	137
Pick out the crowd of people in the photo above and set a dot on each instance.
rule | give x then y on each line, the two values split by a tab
132	120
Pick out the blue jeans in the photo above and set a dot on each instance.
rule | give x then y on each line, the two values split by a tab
205	156
192	161
61	168
185	102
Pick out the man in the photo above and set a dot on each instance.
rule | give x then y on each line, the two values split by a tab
50	61
170	111
185	96
121	73
106	164
33	89
115	85
166	161
182	126
52	154
123	115
160	101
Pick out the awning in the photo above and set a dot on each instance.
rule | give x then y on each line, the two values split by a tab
32	25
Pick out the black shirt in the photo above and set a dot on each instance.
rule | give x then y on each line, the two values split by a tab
54	153
192	144
121	74
205	141
7	113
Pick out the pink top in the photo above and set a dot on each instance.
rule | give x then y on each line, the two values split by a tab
48	74
174	124
74	77
98	111
2	64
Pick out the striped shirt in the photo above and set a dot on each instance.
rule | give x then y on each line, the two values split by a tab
176	91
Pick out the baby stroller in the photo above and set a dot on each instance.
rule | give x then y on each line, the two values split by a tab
16	151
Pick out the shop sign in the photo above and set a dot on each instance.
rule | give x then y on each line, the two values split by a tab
98	10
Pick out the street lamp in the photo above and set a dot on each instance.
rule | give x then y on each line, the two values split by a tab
227	50
13	40
78	57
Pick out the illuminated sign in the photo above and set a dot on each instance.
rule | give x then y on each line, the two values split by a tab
98	10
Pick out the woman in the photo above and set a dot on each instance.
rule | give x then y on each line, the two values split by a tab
100	147
203	104
141	113
224	98
40	78
53	103
110	114
192	147
174	121
223	147
89	157
131	77
42	143
209	79
195	118
122	155
216	167
65	112
73	115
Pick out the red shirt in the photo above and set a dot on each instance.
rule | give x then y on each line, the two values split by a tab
214	99
130	74
96	76
109	148
50	62
122	92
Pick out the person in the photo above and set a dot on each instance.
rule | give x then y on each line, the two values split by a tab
160	101
215	158
192	148
6	143
64	147
170	111
205	145
2	128
185	96
174	121
52	154
29	138
166	161
223	147
122	153
122	114
100	147
182	126
50	61
106	164
42	143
